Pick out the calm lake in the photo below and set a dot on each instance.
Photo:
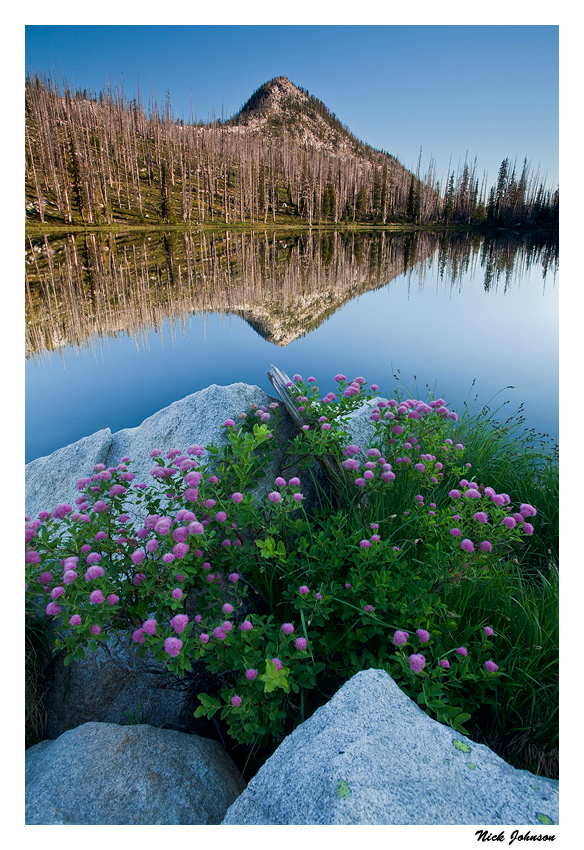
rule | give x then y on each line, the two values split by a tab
118	327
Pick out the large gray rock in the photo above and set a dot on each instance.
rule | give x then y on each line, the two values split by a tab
193	420
51	480
101	773
372	756
114	685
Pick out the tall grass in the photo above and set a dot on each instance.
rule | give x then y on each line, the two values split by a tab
38	640
522	463
521	721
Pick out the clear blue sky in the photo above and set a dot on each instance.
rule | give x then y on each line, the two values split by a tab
491	91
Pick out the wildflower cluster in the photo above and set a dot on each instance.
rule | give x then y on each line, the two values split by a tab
197	563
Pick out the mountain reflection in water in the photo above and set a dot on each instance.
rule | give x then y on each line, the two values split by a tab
389	298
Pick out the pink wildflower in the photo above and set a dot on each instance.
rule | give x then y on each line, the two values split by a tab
472	493
400	638
75	620
287	628
196	450
444	663
236	701
251	674
173	646
423	635
149	626
300	643
93	558
61	511
417	662
491	666
180	550
461	651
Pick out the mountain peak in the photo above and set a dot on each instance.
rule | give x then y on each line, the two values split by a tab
279	106
269	97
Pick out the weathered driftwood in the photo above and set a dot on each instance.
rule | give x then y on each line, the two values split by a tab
330	466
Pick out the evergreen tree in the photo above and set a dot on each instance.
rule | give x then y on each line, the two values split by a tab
449	200
361	203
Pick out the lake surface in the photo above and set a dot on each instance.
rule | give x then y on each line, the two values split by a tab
119	327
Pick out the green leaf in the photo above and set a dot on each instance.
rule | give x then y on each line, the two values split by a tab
274	678
452	711
208	701
462	718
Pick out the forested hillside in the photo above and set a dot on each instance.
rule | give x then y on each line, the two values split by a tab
282	159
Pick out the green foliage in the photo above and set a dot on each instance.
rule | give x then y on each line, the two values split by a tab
401	566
